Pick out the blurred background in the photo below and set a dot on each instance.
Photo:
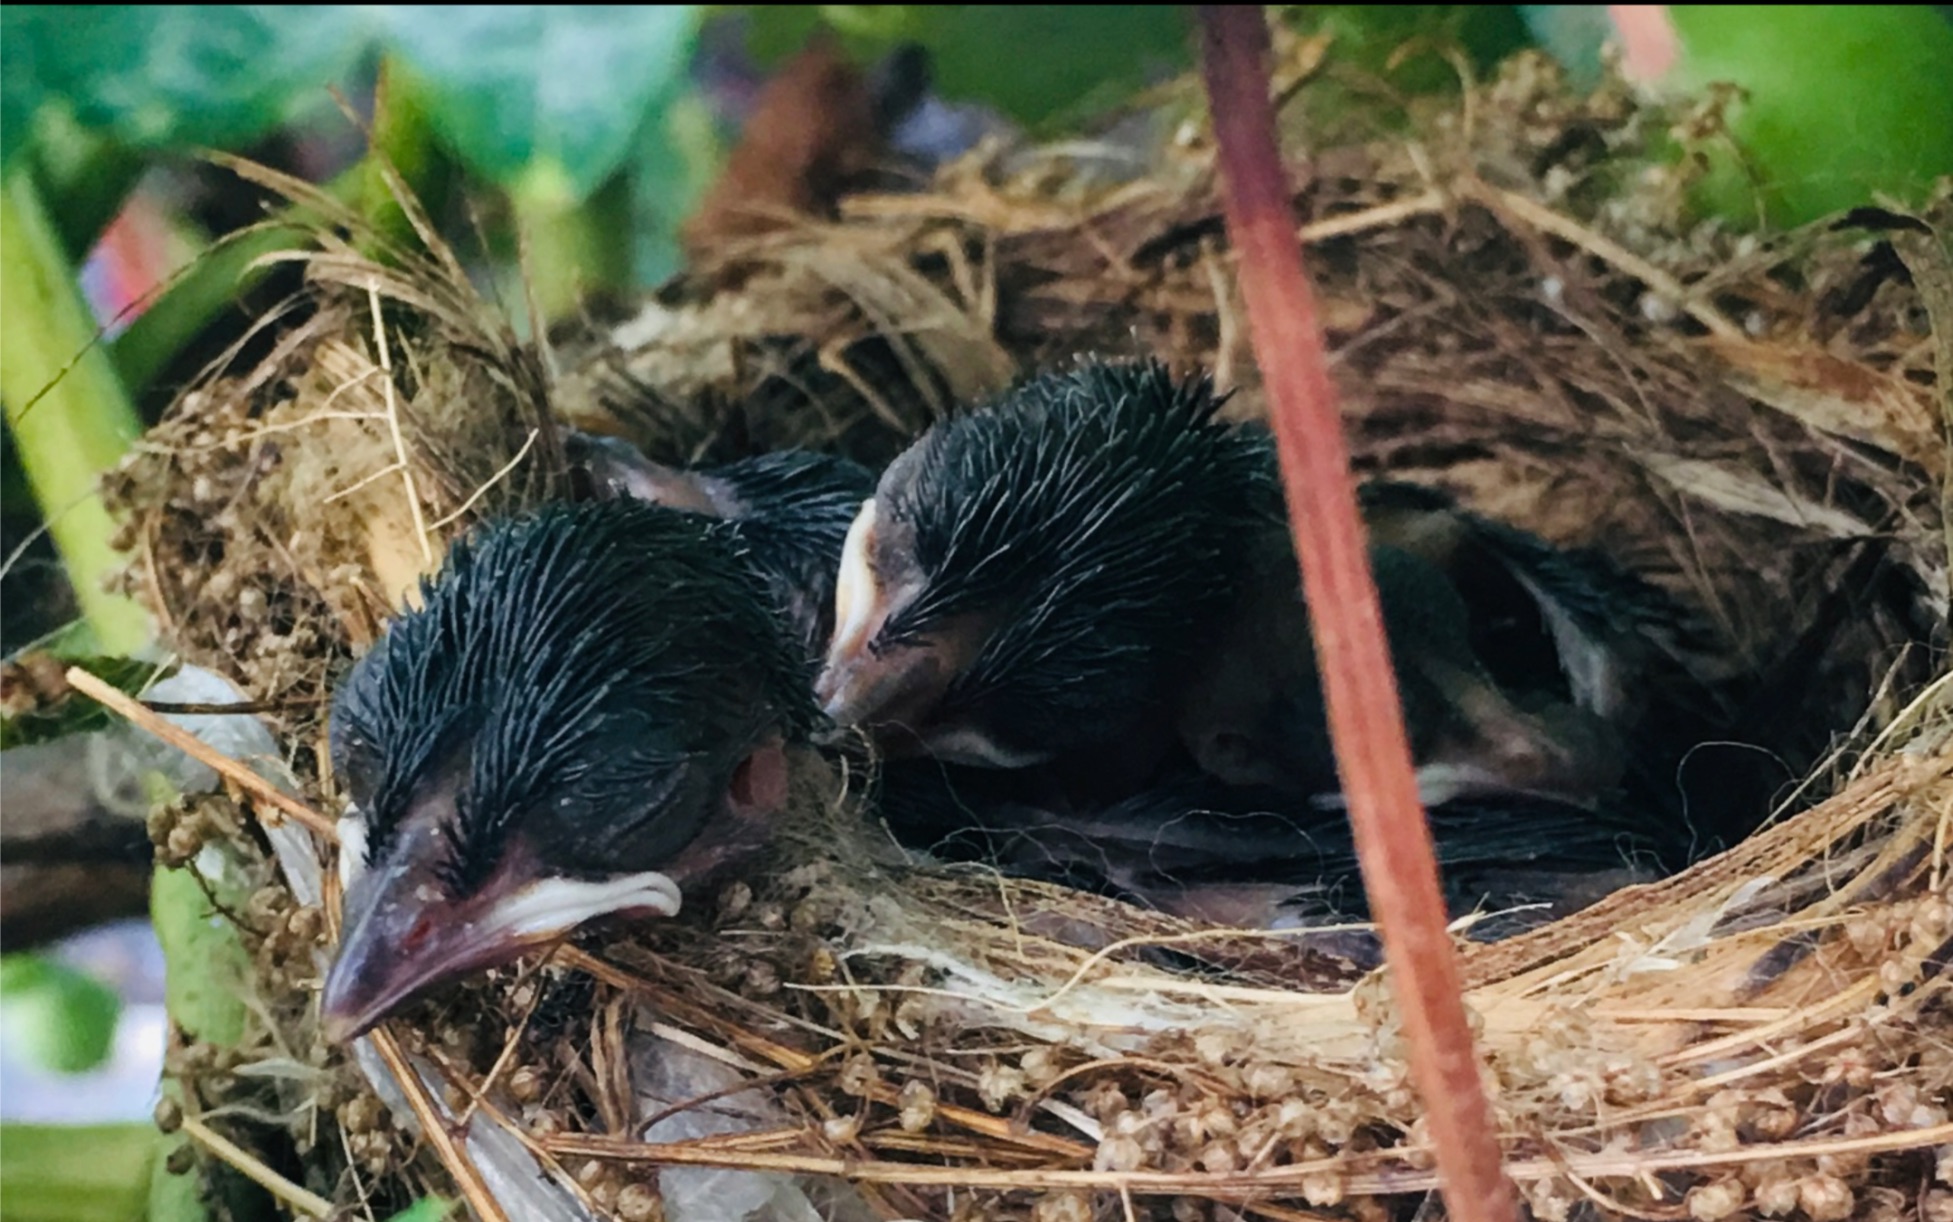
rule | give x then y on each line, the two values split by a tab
576	158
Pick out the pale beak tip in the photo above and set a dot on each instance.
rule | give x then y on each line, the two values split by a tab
339	1024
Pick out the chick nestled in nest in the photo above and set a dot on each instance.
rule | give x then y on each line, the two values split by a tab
943	1037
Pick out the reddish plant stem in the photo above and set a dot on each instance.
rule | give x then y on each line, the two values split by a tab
1366	722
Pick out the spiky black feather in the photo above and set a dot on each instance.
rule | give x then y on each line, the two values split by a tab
793	511
591	670
1094	508
791	508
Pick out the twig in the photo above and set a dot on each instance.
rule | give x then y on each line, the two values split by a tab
751	1042
1542	218
479	1101
264	791
1366	721
311	1204
493	480
393	425
196	708
366	481
434	1127
1377	216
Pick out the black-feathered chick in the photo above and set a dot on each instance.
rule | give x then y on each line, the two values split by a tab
1023	583
791	508
1095	563
588	711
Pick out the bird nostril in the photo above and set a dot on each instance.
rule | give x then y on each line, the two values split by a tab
416	936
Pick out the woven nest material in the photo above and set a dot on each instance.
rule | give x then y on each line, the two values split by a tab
1754	424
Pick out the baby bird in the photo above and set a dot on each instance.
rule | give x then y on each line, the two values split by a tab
791	509
1030	579
1254	714
1093	572
589	712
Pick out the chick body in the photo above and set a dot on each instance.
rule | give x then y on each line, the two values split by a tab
588	710
1090	581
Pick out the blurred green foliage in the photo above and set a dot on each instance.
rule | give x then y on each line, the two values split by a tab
62	1019
1040	64
553	91
1840	102
514	90
75	1173
76	714
171	75
1408	43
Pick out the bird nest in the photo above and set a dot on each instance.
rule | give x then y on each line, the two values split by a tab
1753	423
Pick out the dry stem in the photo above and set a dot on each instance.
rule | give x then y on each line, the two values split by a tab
1366	721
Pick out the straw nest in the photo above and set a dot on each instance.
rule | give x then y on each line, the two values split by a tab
1753	423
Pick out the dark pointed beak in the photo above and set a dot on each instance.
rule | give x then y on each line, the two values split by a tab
864	681
892	688
867	681
859	610
402	934
406	932
615	468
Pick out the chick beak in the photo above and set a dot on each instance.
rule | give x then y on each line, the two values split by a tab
859	612
864	681
895	688
616	468
407	931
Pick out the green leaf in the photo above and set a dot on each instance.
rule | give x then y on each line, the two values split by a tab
208	965
1842	102
41	721
427	1209
543	93
1403	43
76	1173
20	90
163	76
174	1198
63	1019
677	159
1041	64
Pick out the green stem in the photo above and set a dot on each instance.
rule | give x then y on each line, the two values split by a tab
208	974
84	177
70	415
222	274
403	139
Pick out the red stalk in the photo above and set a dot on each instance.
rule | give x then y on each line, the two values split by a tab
1366	721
